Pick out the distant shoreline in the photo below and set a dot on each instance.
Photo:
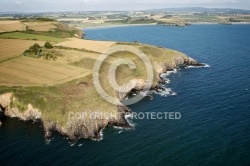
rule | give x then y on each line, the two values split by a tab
231	23
128	25
112	26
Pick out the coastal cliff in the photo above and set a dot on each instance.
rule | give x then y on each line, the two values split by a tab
87	127
74	129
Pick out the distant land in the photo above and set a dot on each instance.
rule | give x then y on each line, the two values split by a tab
203	10
166	16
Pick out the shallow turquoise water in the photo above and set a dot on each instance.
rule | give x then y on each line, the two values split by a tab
214	103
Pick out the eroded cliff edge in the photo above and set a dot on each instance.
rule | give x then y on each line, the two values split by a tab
51	106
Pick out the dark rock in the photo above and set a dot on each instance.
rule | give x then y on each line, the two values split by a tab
149	97
161	81
199	64
158	88
1	114
47	135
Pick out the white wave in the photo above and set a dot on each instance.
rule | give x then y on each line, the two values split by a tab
167	81
72	144
166	92
101	137
117	127
121	129
167	73
80	145
163	75
204	65
129	118
47	141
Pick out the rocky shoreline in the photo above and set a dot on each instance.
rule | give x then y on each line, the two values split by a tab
89	128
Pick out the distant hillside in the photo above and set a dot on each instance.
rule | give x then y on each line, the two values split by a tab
203	10
41	26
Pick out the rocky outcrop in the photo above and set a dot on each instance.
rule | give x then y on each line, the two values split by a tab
4	103
87	127
31	113
13	112
64	27
1	114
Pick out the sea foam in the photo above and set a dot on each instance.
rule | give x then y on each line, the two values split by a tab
101	137
204	65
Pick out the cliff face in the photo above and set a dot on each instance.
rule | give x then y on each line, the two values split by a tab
64	27
89	127
13	112
1	114
74	129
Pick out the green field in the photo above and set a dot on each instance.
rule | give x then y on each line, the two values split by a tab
25	36
198	17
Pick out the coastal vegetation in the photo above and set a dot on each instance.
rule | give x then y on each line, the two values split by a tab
48	45
13	48
134	21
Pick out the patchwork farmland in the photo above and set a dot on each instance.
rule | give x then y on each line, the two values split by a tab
11	48
25	71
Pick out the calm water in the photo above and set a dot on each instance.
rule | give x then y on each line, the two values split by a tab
214	103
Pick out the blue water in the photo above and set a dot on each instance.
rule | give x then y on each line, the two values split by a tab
214	103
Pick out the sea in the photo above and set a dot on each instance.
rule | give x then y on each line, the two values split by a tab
214	103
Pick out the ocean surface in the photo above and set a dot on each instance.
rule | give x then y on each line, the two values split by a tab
214	102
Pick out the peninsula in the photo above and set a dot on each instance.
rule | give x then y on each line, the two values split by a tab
46	72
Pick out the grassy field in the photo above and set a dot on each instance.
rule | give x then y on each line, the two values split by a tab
26	36
9	26
96	46
25	71
10	48
199	18
40	26
70	56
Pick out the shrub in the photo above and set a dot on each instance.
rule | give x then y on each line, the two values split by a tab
33	51
48	45
35	48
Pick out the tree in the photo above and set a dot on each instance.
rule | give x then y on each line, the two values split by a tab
35	48
33	51
48	45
